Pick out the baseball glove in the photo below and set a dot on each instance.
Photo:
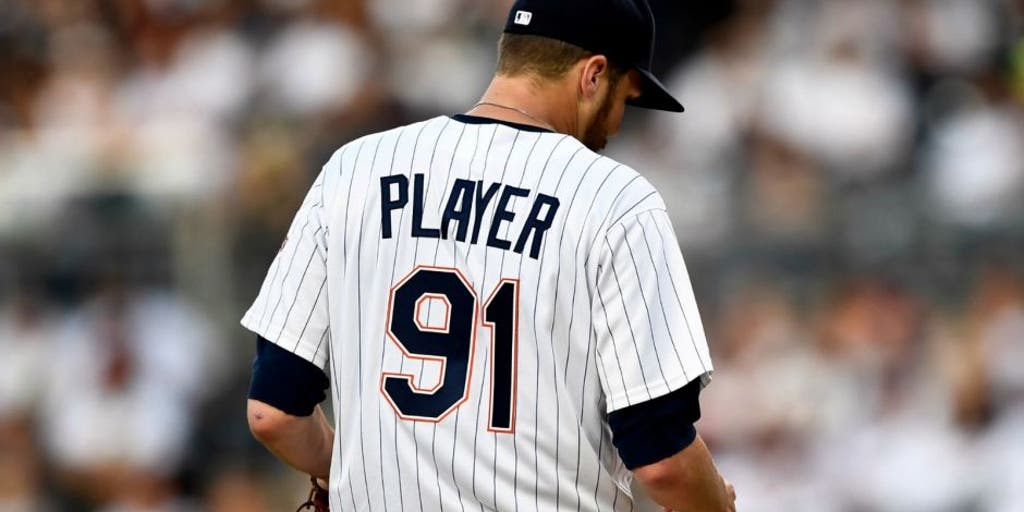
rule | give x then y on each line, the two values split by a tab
319	500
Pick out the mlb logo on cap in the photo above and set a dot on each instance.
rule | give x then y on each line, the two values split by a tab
523	17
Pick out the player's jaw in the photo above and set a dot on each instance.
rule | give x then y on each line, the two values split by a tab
608	118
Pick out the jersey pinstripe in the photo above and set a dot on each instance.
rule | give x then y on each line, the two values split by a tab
481	296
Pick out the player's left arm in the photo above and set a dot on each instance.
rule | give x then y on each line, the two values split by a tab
284	412
290	318
303	442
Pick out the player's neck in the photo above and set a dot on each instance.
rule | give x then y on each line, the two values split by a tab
522	100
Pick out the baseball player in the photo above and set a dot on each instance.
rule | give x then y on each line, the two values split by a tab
502	315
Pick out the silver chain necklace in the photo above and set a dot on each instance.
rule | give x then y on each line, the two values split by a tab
514	109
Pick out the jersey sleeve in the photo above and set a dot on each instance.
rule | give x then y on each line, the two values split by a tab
291	309
649	336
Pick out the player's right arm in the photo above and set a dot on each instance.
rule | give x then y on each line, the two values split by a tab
655	362
688	481
658	441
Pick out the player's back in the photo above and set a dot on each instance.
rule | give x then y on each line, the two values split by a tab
473	349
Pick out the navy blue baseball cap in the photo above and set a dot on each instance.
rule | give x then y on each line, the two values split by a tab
622	30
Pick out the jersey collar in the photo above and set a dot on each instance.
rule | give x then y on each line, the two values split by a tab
468	119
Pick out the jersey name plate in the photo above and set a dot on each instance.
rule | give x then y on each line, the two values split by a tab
466	206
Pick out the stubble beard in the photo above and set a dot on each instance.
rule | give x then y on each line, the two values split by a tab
596	135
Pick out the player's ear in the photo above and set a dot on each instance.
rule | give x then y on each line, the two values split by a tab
594	70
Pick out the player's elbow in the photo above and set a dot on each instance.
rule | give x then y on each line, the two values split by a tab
660	475
688	481
267	423
666	474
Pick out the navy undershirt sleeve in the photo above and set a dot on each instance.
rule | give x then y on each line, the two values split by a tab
286	381
655	430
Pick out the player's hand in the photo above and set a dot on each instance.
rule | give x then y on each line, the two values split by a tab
319	500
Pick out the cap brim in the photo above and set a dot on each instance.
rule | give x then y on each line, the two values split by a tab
654	95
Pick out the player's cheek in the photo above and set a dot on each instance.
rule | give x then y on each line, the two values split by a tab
616	117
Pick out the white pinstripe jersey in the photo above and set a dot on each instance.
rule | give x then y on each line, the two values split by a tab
481	296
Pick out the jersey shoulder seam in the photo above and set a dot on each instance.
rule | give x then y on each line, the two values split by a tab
629	217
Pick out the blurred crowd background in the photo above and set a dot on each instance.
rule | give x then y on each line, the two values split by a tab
847	184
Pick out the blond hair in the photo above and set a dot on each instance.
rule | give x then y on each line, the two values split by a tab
542	57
